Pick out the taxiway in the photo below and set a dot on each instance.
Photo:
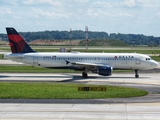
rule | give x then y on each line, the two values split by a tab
138	108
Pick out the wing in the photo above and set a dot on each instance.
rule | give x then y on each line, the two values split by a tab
86	64
91	66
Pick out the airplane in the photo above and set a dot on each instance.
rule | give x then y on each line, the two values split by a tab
100	63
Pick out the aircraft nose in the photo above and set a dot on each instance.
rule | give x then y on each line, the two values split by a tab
155	64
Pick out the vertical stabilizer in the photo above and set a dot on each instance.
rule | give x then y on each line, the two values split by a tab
17	43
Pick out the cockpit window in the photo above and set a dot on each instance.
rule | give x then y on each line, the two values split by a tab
148	59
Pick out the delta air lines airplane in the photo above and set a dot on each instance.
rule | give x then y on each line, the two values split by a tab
100	63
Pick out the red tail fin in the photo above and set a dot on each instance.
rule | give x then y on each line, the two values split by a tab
17	43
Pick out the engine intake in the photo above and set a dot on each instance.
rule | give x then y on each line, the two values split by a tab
104	70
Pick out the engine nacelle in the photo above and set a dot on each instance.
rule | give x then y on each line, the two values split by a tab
104	70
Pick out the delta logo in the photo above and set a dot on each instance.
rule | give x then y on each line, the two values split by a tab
121	56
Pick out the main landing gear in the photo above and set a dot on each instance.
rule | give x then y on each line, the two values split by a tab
84	74
136	74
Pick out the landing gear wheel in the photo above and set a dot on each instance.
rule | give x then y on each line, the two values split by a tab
84	75
136	74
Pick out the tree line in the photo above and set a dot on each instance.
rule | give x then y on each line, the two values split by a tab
132	39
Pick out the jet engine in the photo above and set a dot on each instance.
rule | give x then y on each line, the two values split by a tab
104	70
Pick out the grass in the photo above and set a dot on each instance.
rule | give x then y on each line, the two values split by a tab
62	91
1	56
104	43
156	58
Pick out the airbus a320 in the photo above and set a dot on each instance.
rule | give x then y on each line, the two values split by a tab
100	63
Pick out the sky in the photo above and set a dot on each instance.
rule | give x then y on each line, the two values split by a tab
111	16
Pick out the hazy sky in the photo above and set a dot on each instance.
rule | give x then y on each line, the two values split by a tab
111	16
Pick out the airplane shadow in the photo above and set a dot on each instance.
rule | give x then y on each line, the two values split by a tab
78	78
67	78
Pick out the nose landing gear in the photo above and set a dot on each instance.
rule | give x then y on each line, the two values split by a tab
136	74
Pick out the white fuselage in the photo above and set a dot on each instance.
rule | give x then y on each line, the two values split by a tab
58	60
